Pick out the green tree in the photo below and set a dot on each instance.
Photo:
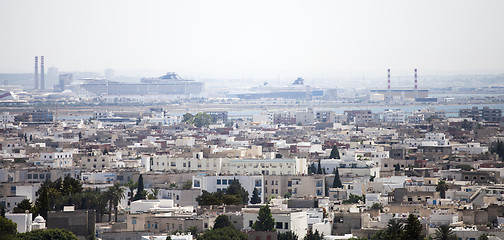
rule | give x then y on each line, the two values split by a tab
187	185
154	193
194	230
131	185
337	180
290	235
2	211
483	236
441	188
395	230
313	236
255	197
265	221
312	169
464	167
226	233
140	194
23	206
413	229
188	118
235	188
71	186
53	234
377	206
207	198
319	168
444	232
222	221
354	199
334	153
115	194
8	228
201	120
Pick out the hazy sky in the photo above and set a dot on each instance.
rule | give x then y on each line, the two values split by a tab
259	39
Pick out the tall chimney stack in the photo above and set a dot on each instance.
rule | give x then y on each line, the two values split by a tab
42	73
36	72
389	93
416	84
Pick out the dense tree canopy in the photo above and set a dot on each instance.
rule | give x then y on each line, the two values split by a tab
222	221
290	235
235	194
199	120
23	206
265	221
53	234
226	233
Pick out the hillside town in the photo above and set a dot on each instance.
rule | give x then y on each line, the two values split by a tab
282	175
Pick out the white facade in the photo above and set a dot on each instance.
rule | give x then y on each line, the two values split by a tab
440	138
394	116
98	177
141	206
23	221
278	166
285	220
6	117
305	117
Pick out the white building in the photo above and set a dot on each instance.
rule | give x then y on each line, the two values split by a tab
141	206
6	117
305	117
277	166
285	220
56	159
397	115
23	221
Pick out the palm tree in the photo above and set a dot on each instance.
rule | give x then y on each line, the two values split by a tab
154	193
441	188
395	230
444	232
131	185
115	194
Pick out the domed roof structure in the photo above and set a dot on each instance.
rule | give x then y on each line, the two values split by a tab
39	219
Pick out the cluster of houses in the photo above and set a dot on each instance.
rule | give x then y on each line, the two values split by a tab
391	162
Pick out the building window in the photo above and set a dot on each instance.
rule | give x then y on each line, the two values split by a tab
219	181
279	225
251	223
286	225
224	181
258	183
133	221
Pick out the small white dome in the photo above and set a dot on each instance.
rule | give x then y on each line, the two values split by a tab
39	219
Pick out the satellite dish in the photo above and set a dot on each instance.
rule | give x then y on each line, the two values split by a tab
386	209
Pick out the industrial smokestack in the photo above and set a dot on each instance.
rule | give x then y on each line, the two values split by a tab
416	84
36	72
389	93
42	73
